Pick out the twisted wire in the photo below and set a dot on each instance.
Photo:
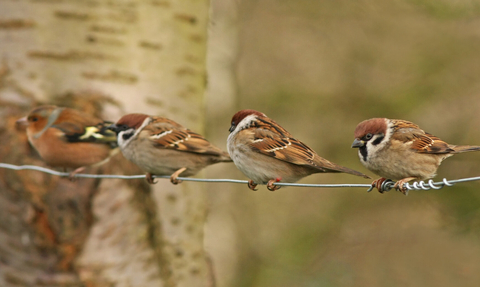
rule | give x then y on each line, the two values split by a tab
386	185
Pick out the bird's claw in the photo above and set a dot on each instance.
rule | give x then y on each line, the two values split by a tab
174	180
173	177
150	178
400	186
251	184
378	185
271	185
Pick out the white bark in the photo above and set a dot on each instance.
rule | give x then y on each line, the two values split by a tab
150	57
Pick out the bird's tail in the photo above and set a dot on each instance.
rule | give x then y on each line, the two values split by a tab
351	171
225	158
464	148
221	157
332	167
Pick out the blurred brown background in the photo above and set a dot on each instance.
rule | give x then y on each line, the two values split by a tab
318	68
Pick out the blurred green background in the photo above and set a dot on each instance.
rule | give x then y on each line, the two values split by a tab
319	68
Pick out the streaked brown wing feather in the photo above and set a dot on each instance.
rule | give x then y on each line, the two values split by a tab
422	142
165	133
428	143
270	127
271	139
287	149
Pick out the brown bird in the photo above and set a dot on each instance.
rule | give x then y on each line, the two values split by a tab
68	138
266	153
400	150
161	146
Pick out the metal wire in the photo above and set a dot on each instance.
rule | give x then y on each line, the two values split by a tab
386	185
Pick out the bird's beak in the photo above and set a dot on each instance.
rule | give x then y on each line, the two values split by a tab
232	128
114	127
21	123
357	143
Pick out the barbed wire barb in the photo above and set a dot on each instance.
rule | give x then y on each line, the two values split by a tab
386	185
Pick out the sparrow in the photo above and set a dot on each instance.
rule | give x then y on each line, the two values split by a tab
161	146
266	153
68	138
400	150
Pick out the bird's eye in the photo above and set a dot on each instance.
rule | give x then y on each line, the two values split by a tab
368	136
34	119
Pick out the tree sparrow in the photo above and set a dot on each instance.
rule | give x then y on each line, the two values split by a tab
68	138
161	146
266	153
400	150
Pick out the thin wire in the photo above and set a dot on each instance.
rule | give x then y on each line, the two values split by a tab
386	185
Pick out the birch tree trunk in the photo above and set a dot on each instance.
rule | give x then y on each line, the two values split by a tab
149	57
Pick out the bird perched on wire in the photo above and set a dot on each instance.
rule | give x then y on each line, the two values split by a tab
68	138
161	146
400	150
266	153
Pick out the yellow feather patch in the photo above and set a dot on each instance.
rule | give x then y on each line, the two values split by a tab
91	132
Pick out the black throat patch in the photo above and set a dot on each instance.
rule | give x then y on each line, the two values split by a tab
364	152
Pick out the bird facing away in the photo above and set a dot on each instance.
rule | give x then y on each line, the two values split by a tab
266	153
68	138
161	146
400	150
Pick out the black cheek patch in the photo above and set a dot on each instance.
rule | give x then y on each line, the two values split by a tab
127	136
363	152
378	140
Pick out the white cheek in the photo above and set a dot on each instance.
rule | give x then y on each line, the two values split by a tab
231	142
243	123
122	143
231	137
120	137
374	152
372	149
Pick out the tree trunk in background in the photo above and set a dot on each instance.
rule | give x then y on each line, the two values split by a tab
149	56
221	240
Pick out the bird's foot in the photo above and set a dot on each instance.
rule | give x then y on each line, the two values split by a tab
271	184
72	177
149	178
251	184
400	185
173	177
378	184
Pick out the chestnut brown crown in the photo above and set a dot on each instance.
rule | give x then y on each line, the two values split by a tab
132	120
372	126
240	115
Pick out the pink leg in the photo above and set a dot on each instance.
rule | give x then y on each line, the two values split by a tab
399	185
173	177
71	176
